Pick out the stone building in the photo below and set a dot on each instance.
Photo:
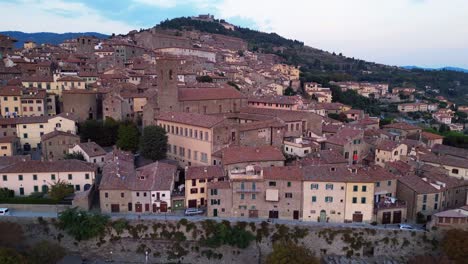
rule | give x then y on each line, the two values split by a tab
55	144
196	180
126	189
85	104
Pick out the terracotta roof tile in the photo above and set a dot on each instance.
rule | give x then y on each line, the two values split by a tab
241	154
204	172
194	119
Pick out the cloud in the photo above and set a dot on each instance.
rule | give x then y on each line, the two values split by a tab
374	30
196	4
57	16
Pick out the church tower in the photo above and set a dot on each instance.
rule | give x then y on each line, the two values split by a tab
168	93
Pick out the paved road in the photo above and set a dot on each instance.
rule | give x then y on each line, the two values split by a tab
176	216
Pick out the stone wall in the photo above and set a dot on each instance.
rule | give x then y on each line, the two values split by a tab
170	241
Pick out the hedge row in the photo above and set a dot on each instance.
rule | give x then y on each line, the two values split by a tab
27	200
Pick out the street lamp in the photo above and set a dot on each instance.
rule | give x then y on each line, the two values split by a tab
146	256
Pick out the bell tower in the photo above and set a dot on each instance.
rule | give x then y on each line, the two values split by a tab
168	93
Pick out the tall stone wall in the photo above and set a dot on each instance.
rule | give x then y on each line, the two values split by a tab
171	241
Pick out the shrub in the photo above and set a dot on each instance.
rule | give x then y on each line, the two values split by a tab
82	225
289	252
120	225
45	252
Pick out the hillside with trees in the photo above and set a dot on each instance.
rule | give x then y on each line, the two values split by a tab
322	66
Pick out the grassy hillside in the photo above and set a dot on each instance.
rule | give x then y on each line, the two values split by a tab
322	66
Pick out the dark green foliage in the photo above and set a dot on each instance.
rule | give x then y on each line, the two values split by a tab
74	155
204	79
60	190
153	143
82	225
120	225
322	67
289	252
233	84
103	133
6	193
218	234
28	200
45	252
257	40
10	256
289	91
356	101
128	137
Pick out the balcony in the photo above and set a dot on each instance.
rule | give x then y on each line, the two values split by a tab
385	205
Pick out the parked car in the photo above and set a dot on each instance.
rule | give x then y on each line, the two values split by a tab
193	211
4	211
406	227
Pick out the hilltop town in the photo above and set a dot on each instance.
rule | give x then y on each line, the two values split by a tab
245	135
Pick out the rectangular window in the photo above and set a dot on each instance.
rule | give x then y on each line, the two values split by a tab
242	196
363	200
21	191
34	177
355	188
329	186
436	198
87	176
328	199
5	178
204	157
272	184
20	177
435	206
424	207
52	177
70	177
122	195
314	186
389	183
289	184
354	200
254	196
377	184
77	187
206	136
288	195
364	188
424	198
36	188
314	199
106	195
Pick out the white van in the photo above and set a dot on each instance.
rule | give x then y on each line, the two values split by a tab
4	211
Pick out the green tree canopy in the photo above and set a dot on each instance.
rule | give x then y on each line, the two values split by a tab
6	193
153	143
74	155
128	137
82	225
288	252
60	190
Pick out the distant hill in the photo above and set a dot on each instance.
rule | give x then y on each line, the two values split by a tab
47	37
448	68
322	66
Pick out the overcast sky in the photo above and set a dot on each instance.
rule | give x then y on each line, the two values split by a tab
429	33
